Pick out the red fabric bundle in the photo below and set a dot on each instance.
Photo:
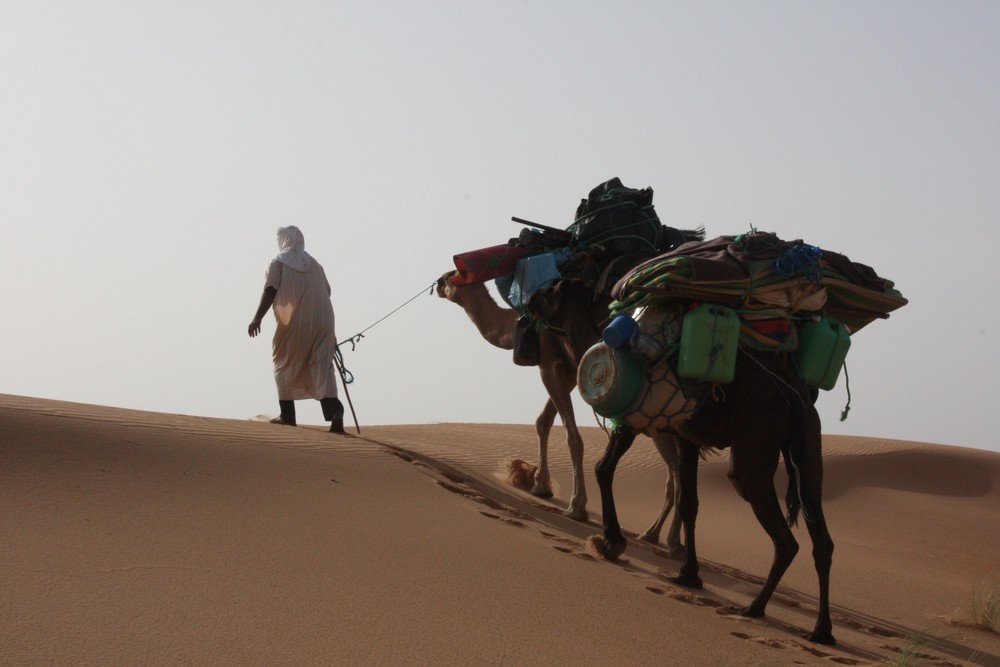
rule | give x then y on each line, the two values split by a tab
478	266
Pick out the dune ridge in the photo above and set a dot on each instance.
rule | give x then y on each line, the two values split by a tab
147	538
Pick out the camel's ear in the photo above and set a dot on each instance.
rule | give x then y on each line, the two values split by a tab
444	286
570	287
549	303
542	298
447	277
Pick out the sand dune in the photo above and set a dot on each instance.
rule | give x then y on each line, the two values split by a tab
144	538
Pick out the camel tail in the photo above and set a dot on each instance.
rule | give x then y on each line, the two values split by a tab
792	499
793	452
803	473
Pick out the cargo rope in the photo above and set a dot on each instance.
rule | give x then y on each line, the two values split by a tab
847	383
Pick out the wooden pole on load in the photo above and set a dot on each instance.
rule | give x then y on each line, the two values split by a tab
559	233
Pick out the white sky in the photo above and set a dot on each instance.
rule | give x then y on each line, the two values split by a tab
148	151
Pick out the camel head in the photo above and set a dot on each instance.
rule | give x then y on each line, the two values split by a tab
444	287
496	324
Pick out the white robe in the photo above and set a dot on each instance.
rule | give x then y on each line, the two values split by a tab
305	338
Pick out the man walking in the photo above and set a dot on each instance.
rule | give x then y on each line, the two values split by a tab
305	340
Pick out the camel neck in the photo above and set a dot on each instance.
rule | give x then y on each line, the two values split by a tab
496	324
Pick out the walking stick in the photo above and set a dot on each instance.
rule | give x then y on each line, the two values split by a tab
343	380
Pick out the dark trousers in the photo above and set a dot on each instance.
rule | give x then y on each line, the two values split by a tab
332	409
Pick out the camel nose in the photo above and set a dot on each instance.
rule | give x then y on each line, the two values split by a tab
440	286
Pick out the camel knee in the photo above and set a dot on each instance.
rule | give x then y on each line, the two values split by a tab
823	558
605	468
543	424
822	549
791	548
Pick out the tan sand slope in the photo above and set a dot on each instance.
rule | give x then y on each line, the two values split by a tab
144	538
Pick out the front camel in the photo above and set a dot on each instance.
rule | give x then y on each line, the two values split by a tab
614	228
557	368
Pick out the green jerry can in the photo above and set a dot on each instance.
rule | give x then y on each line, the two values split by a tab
823	346
609	380
710	336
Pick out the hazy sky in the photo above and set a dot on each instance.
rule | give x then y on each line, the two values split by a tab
148	152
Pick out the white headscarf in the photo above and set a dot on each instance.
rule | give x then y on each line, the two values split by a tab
292	245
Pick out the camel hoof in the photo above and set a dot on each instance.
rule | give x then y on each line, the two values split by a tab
542	492
608	551
576	515
752	612
825	638
822	634
688	581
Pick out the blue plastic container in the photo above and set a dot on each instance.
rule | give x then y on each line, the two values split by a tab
620	332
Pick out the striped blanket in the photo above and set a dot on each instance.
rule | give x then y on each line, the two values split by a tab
760	272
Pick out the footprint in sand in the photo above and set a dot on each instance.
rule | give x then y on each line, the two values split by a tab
866	627
574	553
505	519
571	546
791	644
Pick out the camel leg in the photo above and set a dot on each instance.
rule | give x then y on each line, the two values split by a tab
578	503
811	472
687	508
621	439
559	388
667	447
754	481
652	534
823	559
543	426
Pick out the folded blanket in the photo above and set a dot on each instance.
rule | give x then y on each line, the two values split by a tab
756	271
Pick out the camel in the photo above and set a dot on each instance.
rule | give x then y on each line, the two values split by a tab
557	368
766	412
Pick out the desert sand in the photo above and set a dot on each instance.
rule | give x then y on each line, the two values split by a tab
139	538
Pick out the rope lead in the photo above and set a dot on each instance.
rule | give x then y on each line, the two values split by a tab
356	338
847	383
